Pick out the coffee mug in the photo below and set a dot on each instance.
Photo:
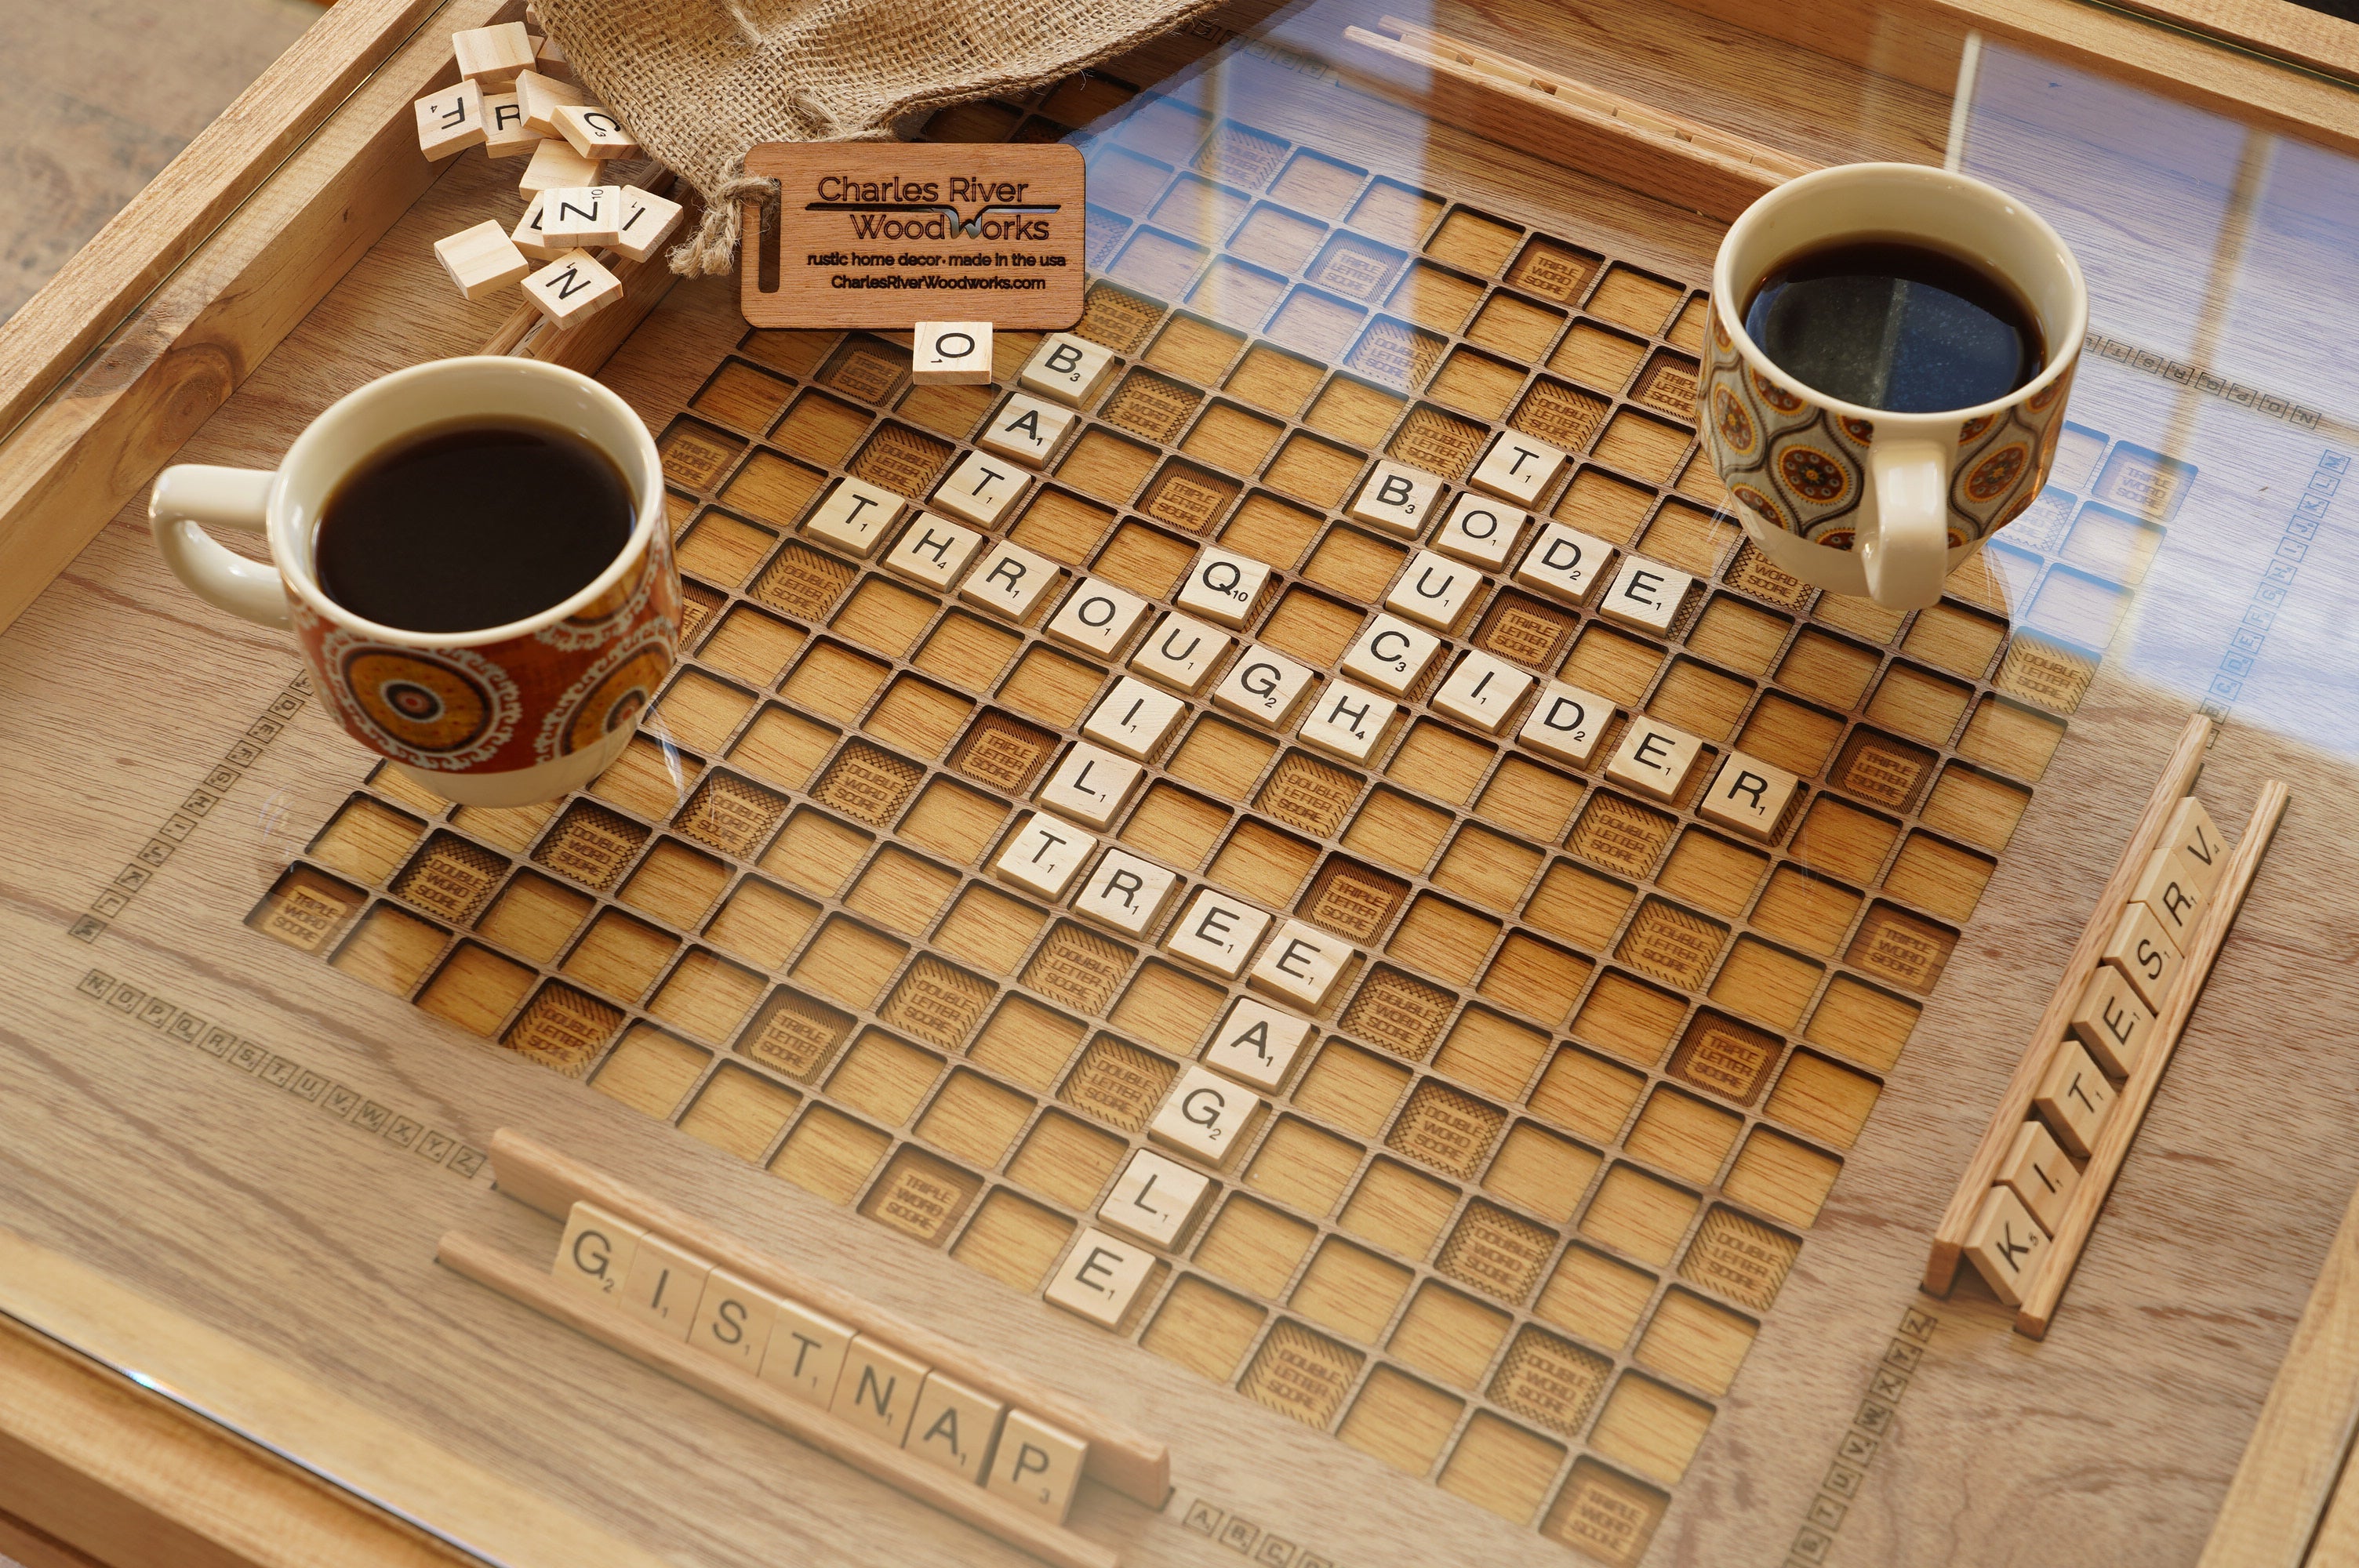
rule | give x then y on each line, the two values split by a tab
503	716
1863	499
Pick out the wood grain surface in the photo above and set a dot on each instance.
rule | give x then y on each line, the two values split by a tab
271	1143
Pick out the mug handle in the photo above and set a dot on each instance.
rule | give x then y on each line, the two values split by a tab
188	495
1908	554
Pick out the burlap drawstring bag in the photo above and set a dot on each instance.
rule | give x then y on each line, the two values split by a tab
700	81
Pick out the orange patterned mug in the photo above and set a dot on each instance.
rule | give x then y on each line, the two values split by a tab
1863	499
504	716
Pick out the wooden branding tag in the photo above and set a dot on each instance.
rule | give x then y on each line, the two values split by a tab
891	233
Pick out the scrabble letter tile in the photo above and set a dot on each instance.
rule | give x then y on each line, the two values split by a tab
2112	1022
1037	1465
2189	831
2169	886
2041	1174
1067	367
1218	931
505	133
1092	785
1155	1199
572	288
950	353
1256	1043
733	1318
492	55
1096	617
1564	563
2074	1097
1568	722
527	237
1133	718
1263	685
1433	589
1204	1116
540	96
584	215
953	1426
665	1284
933	551
1349	722
1396	498
1654	758
854	518
2145	953
1480	532
481	260
1222	586
1301	965
1517	467
980	490
1100	1277
1646	594
1483	690
1181	653
1044	855
1126	893
450	121
879	1389
591	130
556	167
1749	796
1391	653
1008	580
1027	429
648	221
595	1254
806	1353
2006	1245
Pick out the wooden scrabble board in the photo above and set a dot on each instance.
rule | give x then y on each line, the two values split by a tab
1590	1219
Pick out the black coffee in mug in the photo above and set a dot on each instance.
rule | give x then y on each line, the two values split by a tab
1895	324
472	525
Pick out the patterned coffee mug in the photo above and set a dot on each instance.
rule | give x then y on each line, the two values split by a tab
504	716
1862	500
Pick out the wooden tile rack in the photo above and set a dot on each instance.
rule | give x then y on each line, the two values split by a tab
1128	1461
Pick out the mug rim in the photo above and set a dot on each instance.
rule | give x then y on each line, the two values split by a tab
303	579
2064	353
